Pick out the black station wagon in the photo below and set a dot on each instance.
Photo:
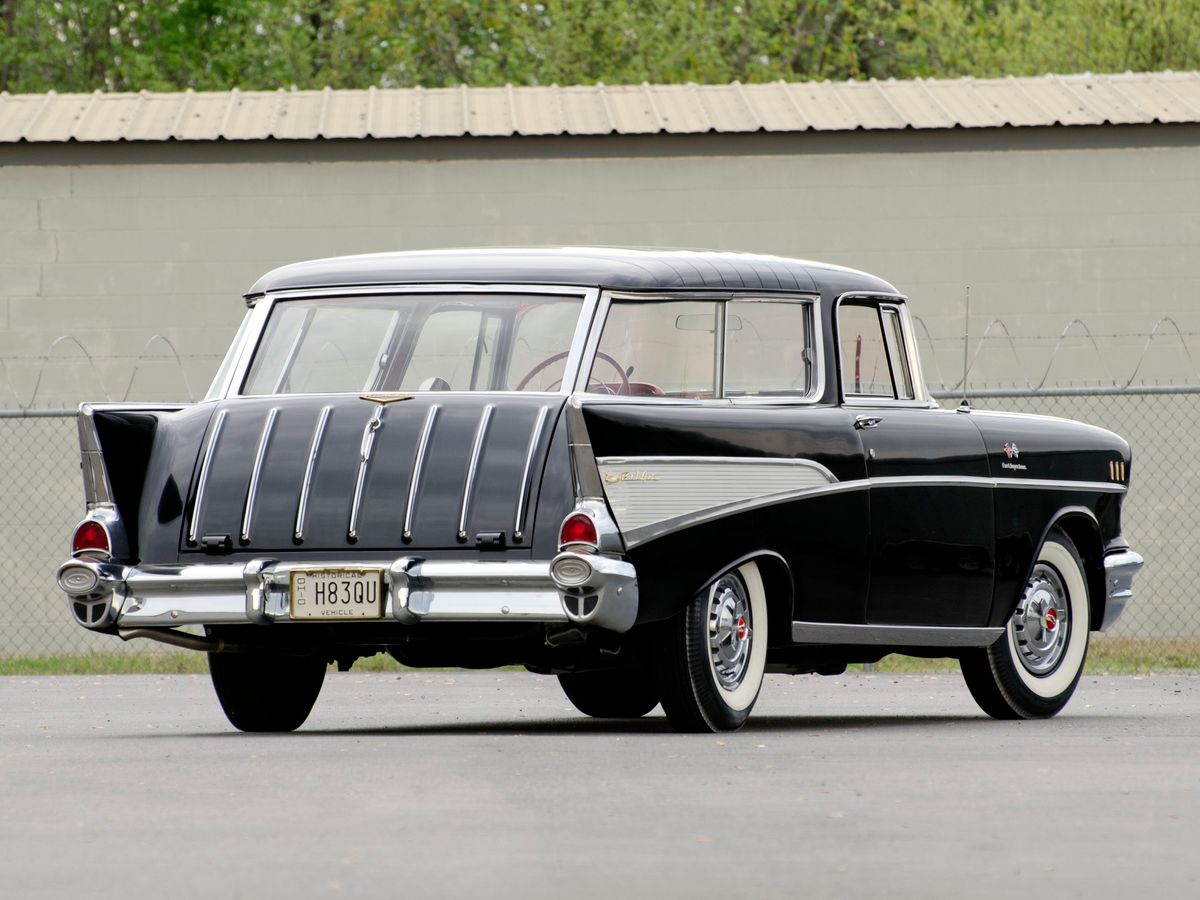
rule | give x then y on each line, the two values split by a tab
656	475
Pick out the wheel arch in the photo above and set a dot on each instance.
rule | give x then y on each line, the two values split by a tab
777	583
1080	525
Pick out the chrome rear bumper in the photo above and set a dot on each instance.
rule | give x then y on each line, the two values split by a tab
103	594
1119	569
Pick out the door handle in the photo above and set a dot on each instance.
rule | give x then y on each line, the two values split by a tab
861	422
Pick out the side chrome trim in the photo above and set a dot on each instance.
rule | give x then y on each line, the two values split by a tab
473	470
314	450
202	480
364	460
256	472
1000	483
534	440
642	533
895	635
419	466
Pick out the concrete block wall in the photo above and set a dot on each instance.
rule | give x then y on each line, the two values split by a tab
113	254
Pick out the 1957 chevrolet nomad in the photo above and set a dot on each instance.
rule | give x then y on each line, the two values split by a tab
658	475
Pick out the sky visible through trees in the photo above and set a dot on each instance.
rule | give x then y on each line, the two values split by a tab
163	45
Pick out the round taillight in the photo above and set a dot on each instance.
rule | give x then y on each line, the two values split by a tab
578	528
91	537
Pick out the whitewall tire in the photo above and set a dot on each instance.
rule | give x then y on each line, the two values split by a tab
715	654
1032	671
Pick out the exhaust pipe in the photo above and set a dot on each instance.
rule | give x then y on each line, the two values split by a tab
206	644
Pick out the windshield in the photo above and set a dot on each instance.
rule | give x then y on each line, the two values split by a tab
405	342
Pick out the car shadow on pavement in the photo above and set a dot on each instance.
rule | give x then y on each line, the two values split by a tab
654	725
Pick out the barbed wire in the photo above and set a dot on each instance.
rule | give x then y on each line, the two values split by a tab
97	386
1077	326
996	333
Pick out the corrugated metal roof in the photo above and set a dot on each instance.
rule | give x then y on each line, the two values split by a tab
1165	97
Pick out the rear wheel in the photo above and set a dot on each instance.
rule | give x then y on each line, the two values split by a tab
715	653
613	693
1031	672
267	692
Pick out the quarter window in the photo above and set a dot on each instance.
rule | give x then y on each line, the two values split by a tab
744	348
655	349
768	349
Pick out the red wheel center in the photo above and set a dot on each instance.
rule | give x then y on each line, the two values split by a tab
1051	619
741	628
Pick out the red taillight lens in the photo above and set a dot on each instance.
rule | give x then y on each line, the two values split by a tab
578	529
90	536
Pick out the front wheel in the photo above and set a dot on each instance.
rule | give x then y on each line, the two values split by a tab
715	653
268	692
1031	672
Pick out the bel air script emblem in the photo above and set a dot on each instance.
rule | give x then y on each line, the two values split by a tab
618	477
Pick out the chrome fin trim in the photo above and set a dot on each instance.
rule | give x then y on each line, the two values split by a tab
314	450
893	635
256	473
534	440
202	479
473	470
418	467
97	490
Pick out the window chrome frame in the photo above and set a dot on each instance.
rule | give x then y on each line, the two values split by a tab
254	326
723	297
899	302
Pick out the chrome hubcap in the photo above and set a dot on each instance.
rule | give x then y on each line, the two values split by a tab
729	631
1042	622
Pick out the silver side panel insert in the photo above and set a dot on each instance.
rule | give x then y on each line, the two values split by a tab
418	467
534	440
893	635
256	473
364	460
473	470
650	495
314	450
202	480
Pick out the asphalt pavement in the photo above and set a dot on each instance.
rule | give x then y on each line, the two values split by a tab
465	785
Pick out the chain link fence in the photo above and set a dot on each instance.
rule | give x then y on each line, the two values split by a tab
42	499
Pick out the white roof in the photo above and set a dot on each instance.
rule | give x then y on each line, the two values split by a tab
1159	97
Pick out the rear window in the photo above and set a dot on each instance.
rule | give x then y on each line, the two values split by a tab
468	342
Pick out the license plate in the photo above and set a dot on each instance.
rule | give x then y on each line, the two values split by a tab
337	593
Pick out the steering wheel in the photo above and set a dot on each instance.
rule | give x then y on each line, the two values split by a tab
600	354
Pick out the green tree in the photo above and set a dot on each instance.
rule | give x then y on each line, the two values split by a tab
120	45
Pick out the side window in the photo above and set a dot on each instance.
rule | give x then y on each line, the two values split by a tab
874	357
768	349
654	349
